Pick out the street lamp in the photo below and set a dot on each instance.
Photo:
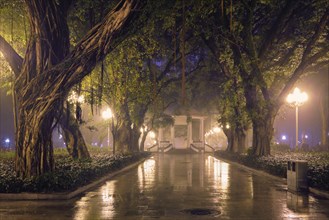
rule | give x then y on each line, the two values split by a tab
107	115
296	99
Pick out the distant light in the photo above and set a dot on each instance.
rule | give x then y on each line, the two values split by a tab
152	134
306	136
216	129
107	114
143	128
7	140
81	99
74	98
228	126
284	137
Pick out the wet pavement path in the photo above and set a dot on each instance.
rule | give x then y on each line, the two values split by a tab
178	187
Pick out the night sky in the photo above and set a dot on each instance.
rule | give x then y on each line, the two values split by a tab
6	117
309	113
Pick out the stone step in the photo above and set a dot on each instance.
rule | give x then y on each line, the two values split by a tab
181	151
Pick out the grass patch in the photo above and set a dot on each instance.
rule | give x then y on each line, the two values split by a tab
6	155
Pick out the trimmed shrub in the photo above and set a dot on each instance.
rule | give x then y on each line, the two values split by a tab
68	175
318	164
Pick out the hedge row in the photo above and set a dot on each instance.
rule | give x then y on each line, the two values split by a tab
68	175
318	165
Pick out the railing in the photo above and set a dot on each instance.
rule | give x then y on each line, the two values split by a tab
198	149
153	146
207	145
195	148
166	148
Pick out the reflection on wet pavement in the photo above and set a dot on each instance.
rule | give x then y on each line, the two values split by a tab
179	187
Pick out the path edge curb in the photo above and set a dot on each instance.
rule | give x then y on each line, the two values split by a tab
312	190
70	194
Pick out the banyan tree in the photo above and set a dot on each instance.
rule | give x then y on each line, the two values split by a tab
49	70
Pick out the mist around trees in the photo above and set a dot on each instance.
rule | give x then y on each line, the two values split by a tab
237	58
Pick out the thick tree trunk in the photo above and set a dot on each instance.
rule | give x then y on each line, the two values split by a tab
324	112
127	138
122	140
124	131
34	150
142	144
46	78
262	115
324	109
232	140
236	140
128	133
75	143
242	142
134	137
262	135
114	132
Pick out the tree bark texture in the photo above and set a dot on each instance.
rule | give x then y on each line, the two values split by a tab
142	143
134	134
16	61
231	141
262	115
324	110
47	46
262	136
45	80
128	133
236	140
122	143
75	143
242	145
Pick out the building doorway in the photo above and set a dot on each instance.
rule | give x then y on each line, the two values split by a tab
180	138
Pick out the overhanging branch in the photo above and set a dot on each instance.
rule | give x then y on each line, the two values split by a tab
101	40
306	59
277	26
12	57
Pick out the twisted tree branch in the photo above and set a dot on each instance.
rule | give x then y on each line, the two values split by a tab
14	60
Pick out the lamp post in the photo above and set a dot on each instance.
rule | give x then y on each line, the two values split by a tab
297	99
107	115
